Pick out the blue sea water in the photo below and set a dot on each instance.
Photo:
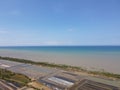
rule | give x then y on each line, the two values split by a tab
66	49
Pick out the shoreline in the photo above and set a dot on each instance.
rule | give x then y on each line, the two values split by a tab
93	62
103	73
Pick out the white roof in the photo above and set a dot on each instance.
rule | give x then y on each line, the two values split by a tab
60	81
3	65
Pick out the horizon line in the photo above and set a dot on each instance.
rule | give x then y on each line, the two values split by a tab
53	45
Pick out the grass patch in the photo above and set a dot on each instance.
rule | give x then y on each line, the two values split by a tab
105	74
18	79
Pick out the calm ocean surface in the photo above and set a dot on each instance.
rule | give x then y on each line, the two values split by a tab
90	57
67	49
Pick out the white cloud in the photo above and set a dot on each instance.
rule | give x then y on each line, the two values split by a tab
57	43
15	12
58	8
11	13
3	31
51	43
71	30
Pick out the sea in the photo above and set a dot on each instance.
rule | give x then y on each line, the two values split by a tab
97	58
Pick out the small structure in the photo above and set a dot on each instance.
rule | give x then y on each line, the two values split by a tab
92	85
60	81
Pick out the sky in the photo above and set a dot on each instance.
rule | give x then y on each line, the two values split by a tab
59	22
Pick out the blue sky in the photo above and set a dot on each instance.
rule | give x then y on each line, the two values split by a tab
59	22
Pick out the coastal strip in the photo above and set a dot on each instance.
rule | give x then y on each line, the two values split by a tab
64	67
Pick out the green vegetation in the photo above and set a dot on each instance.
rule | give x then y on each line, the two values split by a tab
105	74
61	66
65	67
18	79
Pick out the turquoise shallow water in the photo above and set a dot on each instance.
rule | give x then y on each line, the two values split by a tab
90	57
67	49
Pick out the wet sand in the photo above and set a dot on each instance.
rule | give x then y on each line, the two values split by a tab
108	62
